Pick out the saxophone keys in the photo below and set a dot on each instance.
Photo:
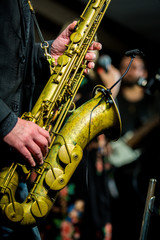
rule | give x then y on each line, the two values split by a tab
39	208
77	154
69	153
51	175
75	37
62	60
14	212
64	153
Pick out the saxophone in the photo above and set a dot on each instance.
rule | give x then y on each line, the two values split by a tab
68	137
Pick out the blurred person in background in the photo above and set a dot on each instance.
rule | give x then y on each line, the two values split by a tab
131	155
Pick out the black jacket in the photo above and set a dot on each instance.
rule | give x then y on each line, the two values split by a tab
21	62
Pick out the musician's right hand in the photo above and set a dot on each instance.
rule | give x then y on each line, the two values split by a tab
30	140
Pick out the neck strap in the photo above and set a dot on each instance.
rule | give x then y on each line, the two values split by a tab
44	44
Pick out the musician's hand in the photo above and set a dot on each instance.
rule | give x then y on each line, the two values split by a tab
91	55
30	140
58	46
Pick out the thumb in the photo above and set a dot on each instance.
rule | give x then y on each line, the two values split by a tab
68	30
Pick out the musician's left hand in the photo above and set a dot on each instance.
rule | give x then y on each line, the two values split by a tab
59	46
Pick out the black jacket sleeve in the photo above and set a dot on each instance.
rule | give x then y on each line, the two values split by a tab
41	65
22	63
8	119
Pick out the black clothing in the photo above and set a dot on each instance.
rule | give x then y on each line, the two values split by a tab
132	179
20	60
22	63
134	114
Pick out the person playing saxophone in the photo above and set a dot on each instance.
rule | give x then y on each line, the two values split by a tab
22	61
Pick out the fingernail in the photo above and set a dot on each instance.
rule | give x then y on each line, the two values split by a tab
94	56
33	164
93	65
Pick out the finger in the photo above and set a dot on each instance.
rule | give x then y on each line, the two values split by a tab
45	134
27	156
95	46
90	56
43	144
72	26
91	65
69	30
36	152
86	71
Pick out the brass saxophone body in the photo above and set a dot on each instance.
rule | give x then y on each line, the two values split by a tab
68	138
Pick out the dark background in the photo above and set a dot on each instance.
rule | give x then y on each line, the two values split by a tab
126	25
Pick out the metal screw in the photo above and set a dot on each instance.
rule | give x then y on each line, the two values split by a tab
61	181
